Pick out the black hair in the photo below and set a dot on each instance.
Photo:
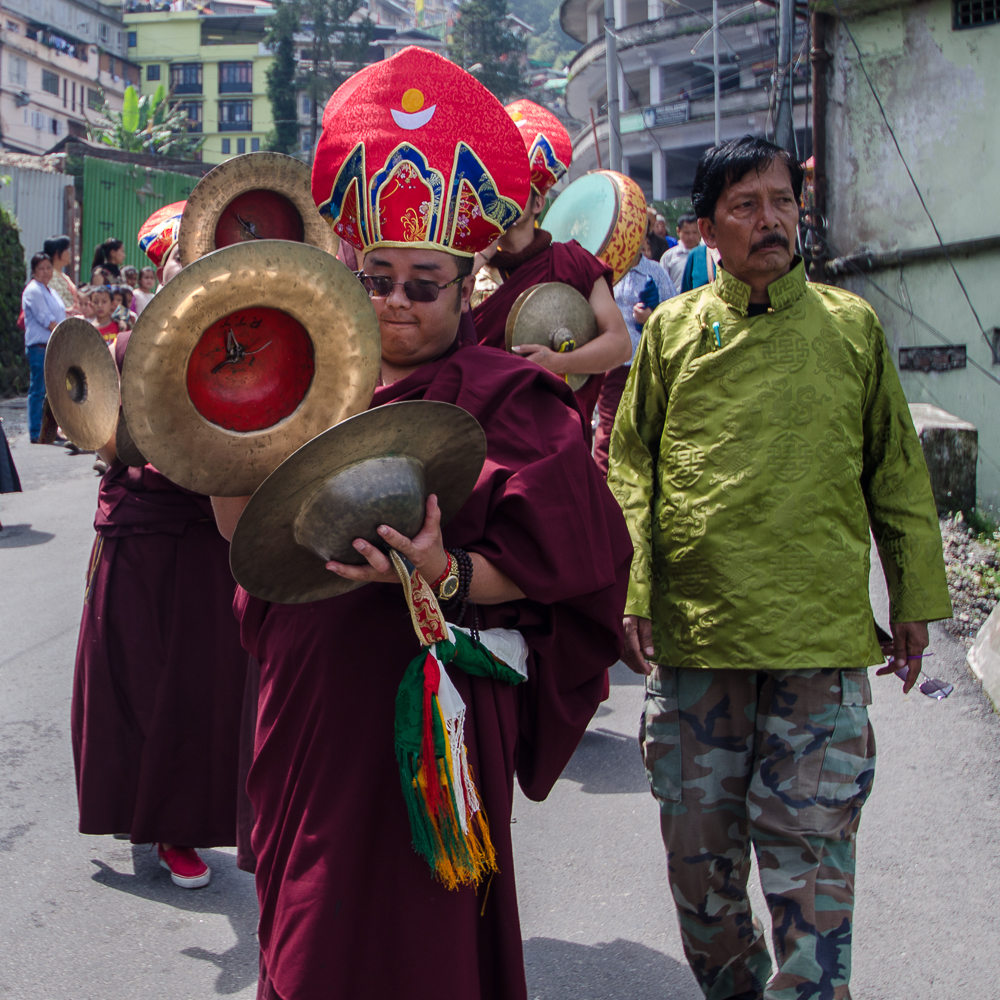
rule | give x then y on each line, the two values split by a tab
687	219
107	289
56	245
103	251
730	161
464	265
38	259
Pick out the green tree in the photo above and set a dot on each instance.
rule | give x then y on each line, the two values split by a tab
337	49
147	124
484	44
13	364
280	30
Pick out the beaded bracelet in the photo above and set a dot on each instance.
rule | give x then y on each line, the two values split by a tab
461	598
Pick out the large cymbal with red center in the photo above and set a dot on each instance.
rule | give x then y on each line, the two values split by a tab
376	468
244	357
257	196
81	383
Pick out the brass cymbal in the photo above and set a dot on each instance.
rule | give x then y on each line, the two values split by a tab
257	196
555	315
81	383
376	468
242	358
125	446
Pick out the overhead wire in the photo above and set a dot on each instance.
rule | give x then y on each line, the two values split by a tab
909	173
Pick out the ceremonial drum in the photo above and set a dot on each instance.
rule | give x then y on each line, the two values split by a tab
605	212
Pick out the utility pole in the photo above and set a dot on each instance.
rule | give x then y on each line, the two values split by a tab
715	69
611	60
784	134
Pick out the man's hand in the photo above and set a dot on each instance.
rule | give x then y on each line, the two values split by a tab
550	360
638	644
640	313
425	550
909	640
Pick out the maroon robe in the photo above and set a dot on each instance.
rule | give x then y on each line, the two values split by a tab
160	670
542	261
348	908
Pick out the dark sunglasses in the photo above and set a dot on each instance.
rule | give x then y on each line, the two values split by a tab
416	289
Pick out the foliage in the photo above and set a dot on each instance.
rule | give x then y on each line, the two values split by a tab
13	363
550	45
483	44
280	38
147	124
337	48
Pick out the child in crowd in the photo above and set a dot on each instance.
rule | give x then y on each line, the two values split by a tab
131	276
99	276
143	294
107	326
123	312
84	304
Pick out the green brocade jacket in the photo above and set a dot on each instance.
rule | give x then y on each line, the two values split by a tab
749	474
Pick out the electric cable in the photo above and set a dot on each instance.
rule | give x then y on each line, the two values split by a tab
909	173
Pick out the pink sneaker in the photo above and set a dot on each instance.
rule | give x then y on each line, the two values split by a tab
186	869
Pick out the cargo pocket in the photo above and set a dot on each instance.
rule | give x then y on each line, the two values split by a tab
845	779
660	735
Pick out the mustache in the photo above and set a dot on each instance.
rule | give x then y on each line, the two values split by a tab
774	239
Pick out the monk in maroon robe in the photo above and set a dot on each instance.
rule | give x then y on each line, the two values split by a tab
526	256
160	670
348	908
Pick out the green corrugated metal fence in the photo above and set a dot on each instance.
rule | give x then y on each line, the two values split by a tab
117	200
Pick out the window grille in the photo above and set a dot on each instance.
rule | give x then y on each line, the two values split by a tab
152	72
974	13
94	100
50	82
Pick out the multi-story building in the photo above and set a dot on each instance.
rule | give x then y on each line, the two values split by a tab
214	66
59	61
666	84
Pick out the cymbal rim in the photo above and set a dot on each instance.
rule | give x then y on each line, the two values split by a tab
75	343
301	280
250	172
265	558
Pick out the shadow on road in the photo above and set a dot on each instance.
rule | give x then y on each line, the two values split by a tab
607	763
230	894
18	536
561	970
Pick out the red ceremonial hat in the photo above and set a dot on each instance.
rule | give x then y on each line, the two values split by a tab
548	143
160	231
417	152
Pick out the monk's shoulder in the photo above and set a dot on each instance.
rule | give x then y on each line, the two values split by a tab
495	376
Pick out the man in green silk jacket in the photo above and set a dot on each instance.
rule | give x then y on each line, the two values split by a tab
762	430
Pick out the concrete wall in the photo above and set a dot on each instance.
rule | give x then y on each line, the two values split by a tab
938	87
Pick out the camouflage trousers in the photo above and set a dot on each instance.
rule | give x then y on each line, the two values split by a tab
782	760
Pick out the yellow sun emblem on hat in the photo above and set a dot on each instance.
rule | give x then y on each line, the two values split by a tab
414	114
518	119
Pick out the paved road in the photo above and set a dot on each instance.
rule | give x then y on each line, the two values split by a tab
89	918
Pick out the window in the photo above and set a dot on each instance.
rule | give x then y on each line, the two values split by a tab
13	27
241	146
103	32
255	145
132	42
121	38
306	141
192	109
305	105
55	126
225	147
152	72
235	116
94	100
185	78
17	70
974	13
38	120
235	77
50	82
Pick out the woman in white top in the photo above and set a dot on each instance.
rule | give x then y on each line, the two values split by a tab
43	312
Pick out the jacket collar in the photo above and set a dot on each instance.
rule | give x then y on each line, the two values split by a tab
782	293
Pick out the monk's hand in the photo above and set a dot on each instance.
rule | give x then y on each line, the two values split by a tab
909	640
640	313
638	644
483	257
550	360
425	550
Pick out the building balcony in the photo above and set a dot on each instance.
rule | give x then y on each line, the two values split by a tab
187	88
235	88
236	126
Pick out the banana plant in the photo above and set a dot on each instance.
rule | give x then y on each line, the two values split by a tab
147	124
